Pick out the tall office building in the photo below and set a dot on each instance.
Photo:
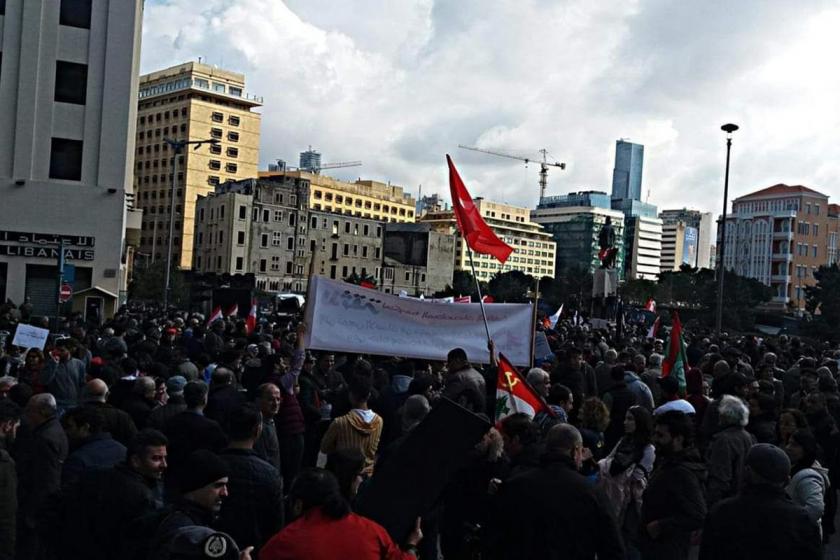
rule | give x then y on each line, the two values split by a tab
699	221
533	248
627	173
191	101
780	236
310	160
68	100
679	246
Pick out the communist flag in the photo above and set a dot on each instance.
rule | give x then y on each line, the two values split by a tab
514	395
477	233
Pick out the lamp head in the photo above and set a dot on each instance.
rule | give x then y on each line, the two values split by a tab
729	128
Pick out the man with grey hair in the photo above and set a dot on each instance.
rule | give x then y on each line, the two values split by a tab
41	452
651	377
539	380
603	369
728	450
553	511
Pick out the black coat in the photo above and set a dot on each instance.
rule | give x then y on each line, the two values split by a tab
760	524
138	407
39	458
221	401
674	498
253	511
554	512
620	400
115	421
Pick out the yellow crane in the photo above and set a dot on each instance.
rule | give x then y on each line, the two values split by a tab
544	164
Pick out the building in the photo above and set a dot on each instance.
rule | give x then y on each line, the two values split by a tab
679	246
598	199
643	242
418	260
575	230
533	249
310	160
627	173
430	203
68	101
191	101
364	198
779	236
700	221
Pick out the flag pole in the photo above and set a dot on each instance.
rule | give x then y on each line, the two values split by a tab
534	323
478	288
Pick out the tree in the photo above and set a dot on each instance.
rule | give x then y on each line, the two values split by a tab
148	284
511	287
822	300
463	284
639	291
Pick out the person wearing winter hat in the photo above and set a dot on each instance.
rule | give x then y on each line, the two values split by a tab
783	530
202	484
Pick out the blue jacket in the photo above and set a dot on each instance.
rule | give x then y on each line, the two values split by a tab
98	452
65	381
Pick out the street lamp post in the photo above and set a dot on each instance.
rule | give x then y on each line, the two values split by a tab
177	149
728	129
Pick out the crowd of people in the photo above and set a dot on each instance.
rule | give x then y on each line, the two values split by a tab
157	436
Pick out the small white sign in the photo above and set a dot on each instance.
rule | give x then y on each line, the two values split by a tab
27	336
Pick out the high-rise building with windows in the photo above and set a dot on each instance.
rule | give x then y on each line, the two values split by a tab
701	222
191	101
68	100
310	160
780	235
627	173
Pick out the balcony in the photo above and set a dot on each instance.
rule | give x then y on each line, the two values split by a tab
785	235
782	257
780	299
784	278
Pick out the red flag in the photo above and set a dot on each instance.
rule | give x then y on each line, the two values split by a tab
463	299
215	316
251	321
477	233
233	311
675	363
514	395
654	328
367	284
488	299
650	305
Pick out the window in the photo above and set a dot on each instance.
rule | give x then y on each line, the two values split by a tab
814	251
407	276
817	228
200	212
214	164
230	168
291	219
233	136
290	243
233	152
215	149
70	82
243	212
346	249
239	263
289	267
366	229
276	239
213	180
346	227
217	117
232	120
240	238
266	215
236	92
262	265
364	251
221	211
219	262
66	159
376	252
218	87
74	13
215	132
378	231
314	223
278	215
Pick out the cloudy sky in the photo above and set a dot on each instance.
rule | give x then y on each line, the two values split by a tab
398	84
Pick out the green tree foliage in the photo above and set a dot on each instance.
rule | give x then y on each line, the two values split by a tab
463	284
822	300
512	287
572	287
148	284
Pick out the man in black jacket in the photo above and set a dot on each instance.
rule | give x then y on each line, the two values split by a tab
253	512
224	397
673	505
761	522
553	511
115	421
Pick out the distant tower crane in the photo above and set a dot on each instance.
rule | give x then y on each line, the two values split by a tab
281	166
544	164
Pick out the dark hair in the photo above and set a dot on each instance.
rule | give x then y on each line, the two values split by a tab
617	372
644	425
9	410
457	354
766	403
128	365
242	422
194	393
810	449
346	464
419	385
519	425
559	393
678	424
316	487
669	385
20	393
144	439
359	387
84	415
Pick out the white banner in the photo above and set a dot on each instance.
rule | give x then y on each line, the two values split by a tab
27	336
347	318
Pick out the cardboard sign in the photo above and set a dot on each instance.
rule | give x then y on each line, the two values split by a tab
27	336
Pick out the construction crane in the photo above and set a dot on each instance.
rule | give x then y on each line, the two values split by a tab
544	164
281	166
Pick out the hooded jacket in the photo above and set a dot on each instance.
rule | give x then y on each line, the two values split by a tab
358	429
808	488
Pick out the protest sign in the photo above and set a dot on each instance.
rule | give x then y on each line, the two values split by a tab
27	336
347	318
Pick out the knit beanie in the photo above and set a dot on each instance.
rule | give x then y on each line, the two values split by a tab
769	462
202	467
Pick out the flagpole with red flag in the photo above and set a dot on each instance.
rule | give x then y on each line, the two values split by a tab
475	231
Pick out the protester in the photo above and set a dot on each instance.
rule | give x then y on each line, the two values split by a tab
267	445
791	420
809	484
463	384
91	448
10	414
114	421
761	523
359	429
63	376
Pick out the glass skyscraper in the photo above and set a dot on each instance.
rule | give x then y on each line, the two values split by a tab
627	173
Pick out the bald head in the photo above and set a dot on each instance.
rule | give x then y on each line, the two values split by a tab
565	439
95	390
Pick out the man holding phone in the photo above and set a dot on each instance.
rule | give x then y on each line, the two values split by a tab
64	376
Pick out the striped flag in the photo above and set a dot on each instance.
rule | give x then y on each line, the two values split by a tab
233	311
554	319
654	328
251	321
675	362
215	316
514	395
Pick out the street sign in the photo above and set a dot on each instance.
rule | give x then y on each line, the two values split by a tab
65	293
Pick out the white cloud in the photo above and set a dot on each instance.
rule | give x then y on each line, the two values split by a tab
399	84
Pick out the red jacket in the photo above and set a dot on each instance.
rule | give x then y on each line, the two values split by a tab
318	537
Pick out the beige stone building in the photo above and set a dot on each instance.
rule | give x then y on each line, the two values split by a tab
363	199
533	248
191	101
